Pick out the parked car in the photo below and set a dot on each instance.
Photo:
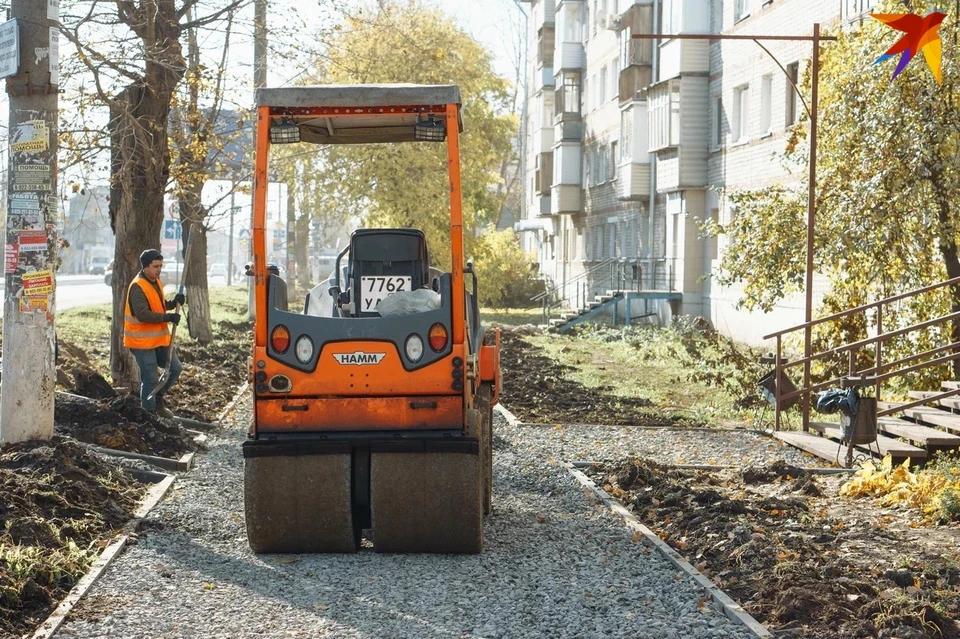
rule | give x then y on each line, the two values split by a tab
98	265
217	270
108	275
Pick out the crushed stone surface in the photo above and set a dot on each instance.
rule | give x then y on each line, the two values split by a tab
556	563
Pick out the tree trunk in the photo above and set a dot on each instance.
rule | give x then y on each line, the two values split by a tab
140	162
198	294
948	251
140	165
290	259
302	251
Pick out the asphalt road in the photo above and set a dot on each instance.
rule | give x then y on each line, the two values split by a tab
85	290
79	290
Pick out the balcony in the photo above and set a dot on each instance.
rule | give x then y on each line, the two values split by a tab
543	139
546	43
568	56
565	191
567	118
623	6
544	174
633	165
543	79
544	14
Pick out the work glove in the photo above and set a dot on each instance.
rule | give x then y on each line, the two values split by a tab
172	317
180	299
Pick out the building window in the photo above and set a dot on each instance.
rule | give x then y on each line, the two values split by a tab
594	169
766	89
856	8
793	72
567	98
584	22
626	136
664	115
718	111
603	86
741	113
613	160
672	12
741	9
602	169
715	218
585	170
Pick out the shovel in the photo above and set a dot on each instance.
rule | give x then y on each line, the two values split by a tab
165	375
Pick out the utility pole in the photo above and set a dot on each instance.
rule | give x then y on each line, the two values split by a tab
30	256
233	210
811	109
259	80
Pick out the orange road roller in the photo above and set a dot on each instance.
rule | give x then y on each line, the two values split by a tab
373	403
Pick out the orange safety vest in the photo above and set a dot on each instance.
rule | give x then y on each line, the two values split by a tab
137	334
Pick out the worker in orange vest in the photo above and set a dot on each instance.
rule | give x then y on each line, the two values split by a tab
146	334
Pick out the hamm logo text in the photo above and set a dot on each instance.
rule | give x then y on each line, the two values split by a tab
359	358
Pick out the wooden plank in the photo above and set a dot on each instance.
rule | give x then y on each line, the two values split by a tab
813	444
950	402
927	415
949	385
917	433
886	445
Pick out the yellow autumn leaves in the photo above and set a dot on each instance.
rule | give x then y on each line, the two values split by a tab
935	490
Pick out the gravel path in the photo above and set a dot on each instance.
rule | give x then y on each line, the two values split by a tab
740	448
556	564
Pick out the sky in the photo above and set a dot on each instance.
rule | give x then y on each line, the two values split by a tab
494	23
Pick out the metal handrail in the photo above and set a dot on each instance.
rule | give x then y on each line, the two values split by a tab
864	307
859	378
571	280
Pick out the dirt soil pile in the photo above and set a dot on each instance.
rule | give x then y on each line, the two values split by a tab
210	378
212	372
60	506
765	539
537	390
120	423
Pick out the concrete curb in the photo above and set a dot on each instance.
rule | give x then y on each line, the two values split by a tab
731	608
813	470
59	615
233	403
510	417
183	464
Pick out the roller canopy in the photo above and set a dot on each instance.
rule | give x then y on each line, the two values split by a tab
357	114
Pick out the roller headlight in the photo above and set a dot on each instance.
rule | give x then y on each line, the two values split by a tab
414	348
304	349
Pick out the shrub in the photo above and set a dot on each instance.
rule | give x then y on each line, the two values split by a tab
507	274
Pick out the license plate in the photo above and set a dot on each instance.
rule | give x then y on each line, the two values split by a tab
373	288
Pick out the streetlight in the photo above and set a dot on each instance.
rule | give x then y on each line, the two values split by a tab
812	180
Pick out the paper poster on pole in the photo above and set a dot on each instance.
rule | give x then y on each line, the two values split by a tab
33	240
31	303
37	282
30	136
53	9
54	55
10	259
9	48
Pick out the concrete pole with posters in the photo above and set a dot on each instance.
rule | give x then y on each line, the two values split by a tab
30	255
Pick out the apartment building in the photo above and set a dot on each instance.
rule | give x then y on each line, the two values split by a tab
630	144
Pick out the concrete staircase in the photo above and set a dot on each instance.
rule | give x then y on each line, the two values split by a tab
914	433
613	302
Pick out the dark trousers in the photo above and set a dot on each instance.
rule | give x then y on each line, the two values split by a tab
150	361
